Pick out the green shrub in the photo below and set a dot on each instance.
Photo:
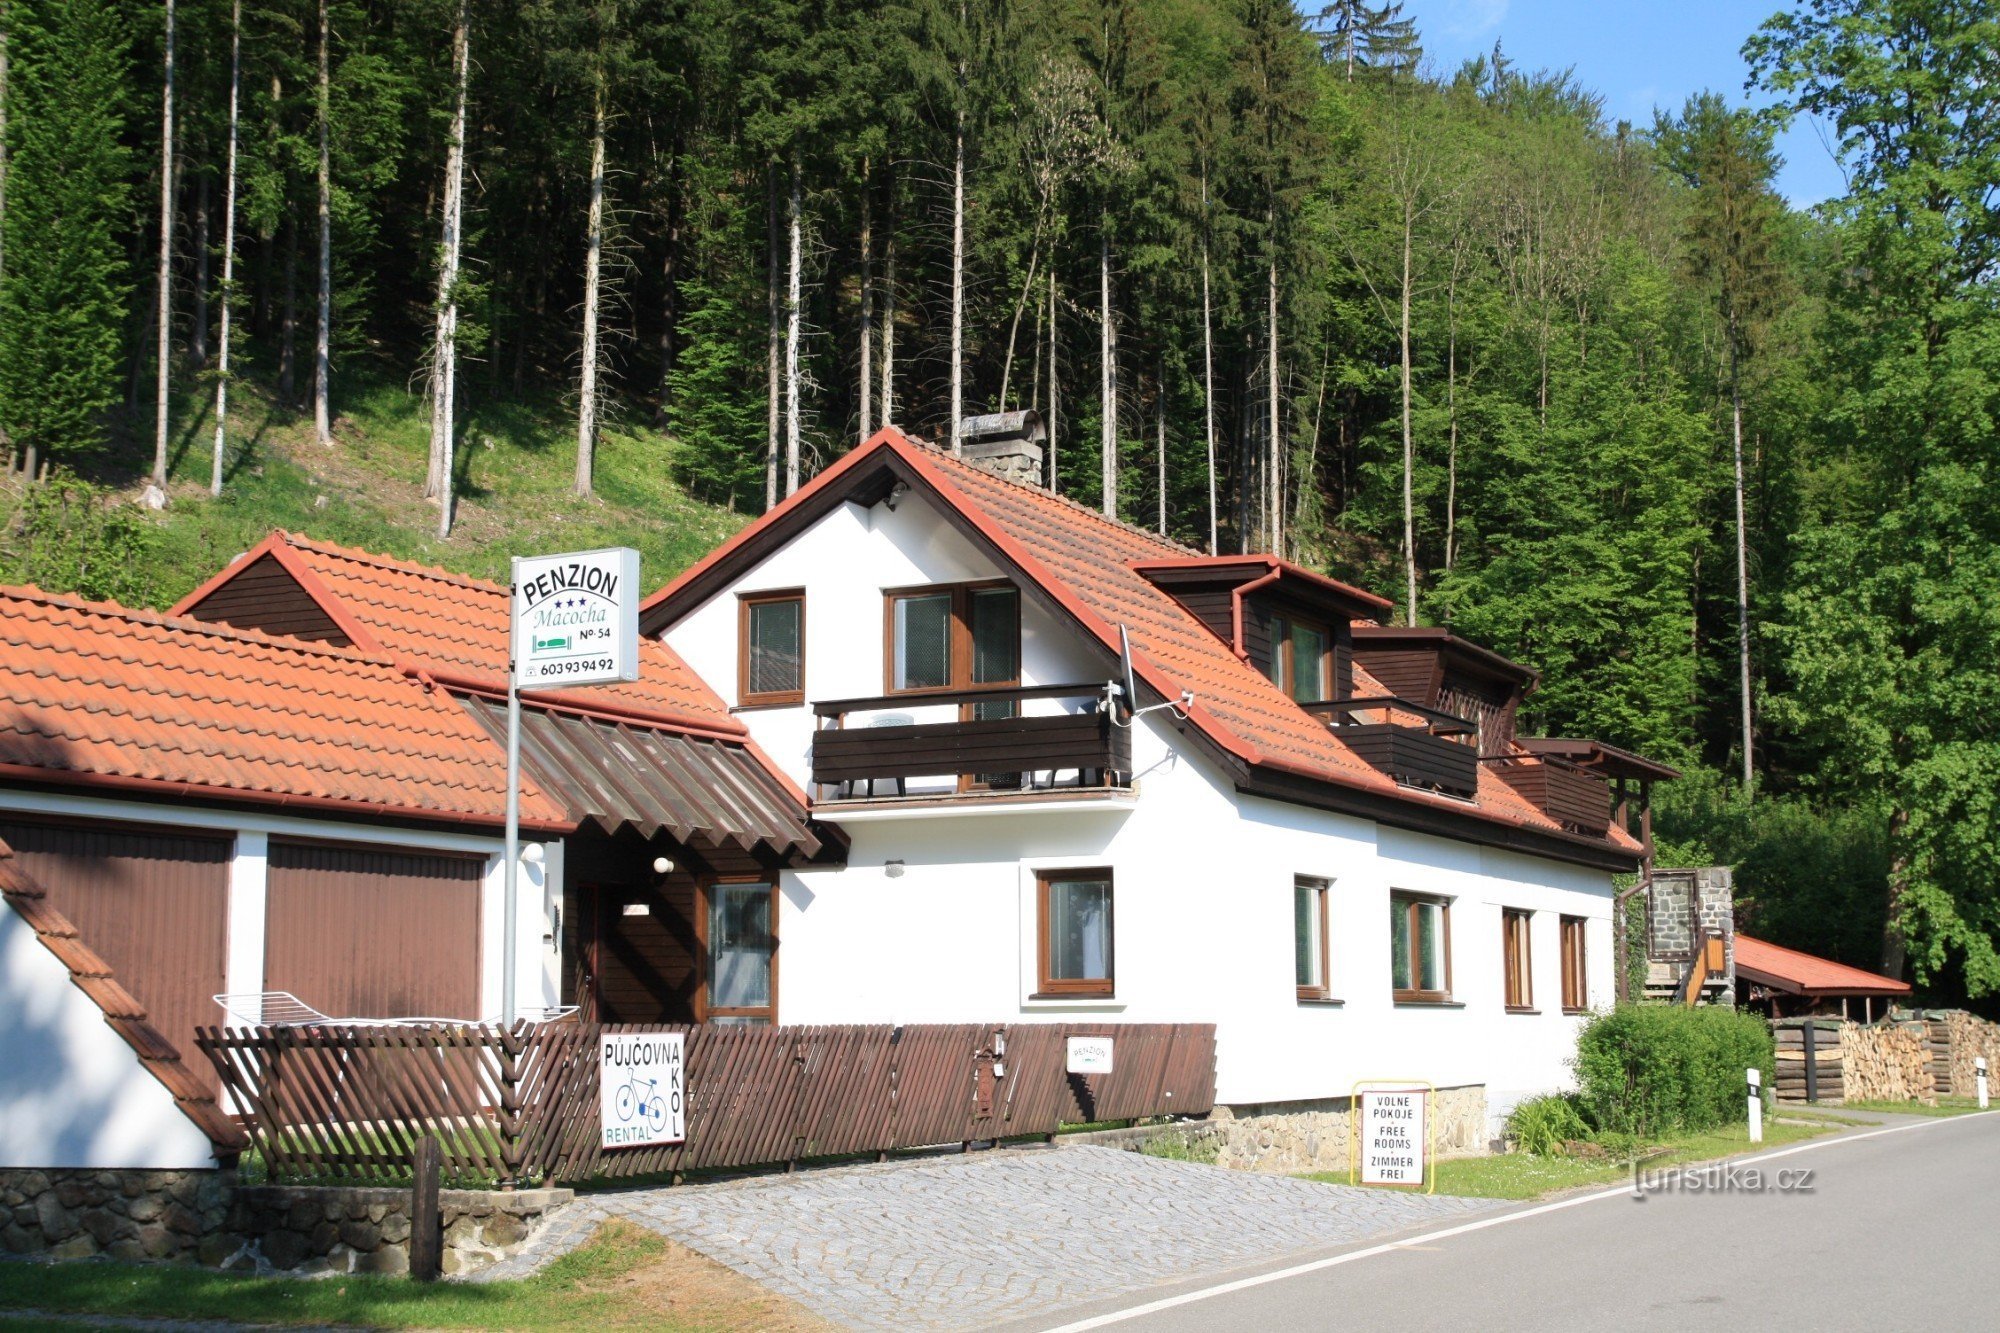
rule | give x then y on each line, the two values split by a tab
1542	1125
1653	1069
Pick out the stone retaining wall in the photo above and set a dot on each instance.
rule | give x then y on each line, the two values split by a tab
1289	1137
204	1217
75	1213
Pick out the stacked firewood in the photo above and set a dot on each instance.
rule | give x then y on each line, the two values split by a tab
1828	1083
1968	1038
1887	1062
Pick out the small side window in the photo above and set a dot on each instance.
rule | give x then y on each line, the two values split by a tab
1311	938
1576	980
1515	931
772	650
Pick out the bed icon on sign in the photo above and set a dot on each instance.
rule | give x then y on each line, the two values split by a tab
552	643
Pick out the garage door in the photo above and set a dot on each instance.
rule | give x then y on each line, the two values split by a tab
153	903
374	932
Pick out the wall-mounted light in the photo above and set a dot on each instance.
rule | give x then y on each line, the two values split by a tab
896	494
532	854
893	869
662	866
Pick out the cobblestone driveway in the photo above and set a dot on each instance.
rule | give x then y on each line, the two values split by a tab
964	1241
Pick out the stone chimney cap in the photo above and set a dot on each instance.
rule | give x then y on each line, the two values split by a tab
995	427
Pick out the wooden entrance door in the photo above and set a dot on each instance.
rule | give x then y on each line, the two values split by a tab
638	951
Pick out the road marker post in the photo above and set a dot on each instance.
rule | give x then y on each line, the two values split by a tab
1756	1105
1979	1064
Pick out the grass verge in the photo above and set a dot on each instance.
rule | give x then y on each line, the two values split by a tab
623	1278
1945	1106
1527	1176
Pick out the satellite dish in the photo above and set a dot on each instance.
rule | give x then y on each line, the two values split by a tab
1125	672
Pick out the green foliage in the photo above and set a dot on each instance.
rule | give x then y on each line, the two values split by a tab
62	292
1542	1125
1808	873
66	535
1656	1069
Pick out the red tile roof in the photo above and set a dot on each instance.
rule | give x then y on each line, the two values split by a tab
122	1013
454	629
1093	565
96	693
1805	974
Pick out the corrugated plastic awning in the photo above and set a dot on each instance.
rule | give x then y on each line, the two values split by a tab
654	780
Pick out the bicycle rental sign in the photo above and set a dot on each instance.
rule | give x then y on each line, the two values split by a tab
642	1089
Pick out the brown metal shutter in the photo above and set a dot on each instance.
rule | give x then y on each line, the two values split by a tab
153	903
374	932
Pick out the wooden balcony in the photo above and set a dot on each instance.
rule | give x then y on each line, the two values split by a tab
1433	751
874	749
1576	798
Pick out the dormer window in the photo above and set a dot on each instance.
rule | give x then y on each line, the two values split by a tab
1302	658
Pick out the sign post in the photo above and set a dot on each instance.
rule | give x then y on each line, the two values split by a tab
1393	1139
573	620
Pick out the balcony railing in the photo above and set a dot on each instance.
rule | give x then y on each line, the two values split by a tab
1418	754
990	740
1576	798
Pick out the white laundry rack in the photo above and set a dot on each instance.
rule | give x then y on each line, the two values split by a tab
281	1008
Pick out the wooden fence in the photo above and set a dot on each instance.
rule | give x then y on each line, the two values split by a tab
521	1105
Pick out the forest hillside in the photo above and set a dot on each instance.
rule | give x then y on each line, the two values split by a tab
456	278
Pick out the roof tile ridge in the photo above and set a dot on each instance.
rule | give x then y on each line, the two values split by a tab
389	562
1058	498
110	610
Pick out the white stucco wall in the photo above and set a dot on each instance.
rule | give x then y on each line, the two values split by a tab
72	1093
1203	876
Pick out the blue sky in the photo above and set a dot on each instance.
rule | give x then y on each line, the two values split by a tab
1638	53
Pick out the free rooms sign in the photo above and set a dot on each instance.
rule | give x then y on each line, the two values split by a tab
642	1089
1393	1136
576	618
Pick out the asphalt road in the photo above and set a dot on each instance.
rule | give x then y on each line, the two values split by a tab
1900	1229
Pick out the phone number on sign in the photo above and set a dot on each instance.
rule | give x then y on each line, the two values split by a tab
575	666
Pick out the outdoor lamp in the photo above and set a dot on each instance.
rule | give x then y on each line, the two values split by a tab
532	854
662	866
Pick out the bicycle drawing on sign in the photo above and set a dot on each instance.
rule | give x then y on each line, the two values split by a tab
640	1097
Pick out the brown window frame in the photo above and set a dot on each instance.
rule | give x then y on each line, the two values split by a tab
1408	903
1071	988
1322	891
1284	659
1517	960
961	635
1575	965
745	696
705	1009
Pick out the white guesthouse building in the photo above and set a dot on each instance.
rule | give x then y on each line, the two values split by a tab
873	772
1351	881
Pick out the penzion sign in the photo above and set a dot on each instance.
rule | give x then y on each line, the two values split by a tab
576	618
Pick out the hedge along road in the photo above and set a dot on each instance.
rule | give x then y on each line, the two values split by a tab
1895	1227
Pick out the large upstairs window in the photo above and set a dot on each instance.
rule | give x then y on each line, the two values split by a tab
954	637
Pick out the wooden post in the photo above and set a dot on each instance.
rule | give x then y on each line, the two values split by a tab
426	1220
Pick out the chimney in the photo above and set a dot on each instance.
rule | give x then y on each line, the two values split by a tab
1007	444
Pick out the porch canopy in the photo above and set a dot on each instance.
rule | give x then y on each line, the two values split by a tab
618	774
1791	972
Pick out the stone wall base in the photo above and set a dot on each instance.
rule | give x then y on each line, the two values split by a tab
1289	1137
204	1217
